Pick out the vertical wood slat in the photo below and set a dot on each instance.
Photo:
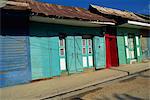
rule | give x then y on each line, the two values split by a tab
99	52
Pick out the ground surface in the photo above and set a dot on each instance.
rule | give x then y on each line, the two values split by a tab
135	88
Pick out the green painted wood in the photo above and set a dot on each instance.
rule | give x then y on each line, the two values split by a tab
62	54
123	32
74	54
78	53
85	53
50	30
54	56
70	48
138	48
47	29
40	57
99	52
121	49
88	53
128	59
44	57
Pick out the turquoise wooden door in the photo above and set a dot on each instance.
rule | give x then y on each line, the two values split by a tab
74	53
62	54
70	48
99	52
121	50
78	53
54	56
87	53
40	57
44	57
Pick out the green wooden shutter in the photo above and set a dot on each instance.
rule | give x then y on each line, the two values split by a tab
62	54
90	53
138	49
40	57
78	53
99	52
121	49
74	54
127	49
85	53
54	56
70	54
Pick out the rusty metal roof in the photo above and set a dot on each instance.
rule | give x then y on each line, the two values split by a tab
65	12
23	1
52	10
16	5
114	12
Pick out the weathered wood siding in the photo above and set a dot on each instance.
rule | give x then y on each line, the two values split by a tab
122	33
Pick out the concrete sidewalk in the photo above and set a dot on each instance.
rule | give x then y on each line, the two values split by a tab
134	68
60	85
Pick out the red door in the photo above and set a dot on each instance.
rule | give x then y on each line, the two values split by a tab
111	51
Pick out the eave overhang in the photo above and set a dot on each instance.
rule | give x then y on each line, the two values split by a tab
71	22
135	24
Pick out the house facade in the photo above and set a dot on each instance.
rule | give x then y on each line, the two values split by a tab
14	45
49	43
41	41
128	31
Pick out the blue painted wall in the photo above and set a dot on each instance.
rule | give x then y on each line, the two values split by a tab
14	60
14	48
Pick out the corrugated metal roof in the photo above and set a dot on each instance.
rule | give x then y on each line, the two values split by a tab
123	14
16	5
52	10
24	1
66	12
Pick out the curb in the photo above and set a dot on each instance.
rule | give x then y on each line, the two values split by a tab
88	87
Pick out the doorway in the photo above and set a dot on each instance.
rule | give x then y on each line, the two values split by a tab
131	47
111	50
62	54
74	54
87	53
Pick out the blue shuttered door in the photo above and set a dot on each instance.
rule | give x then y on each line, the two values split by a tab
74	54
54	56
99	52
14	60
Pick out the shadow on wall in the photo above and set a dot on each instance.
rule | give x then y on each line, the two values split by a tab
17	23
14	23
145	43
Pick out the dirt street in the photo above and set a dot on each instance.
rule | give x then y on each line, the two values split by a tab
135	88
